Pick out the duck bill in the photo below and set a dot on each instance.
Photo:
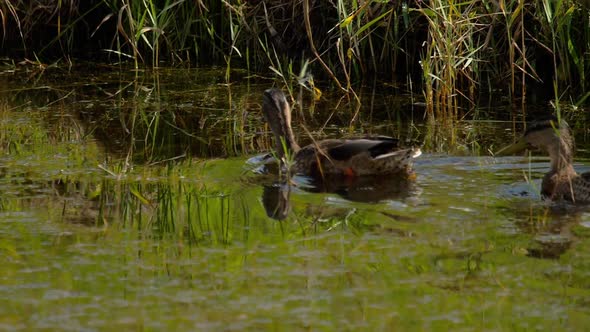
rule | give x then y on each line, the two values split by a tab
516	147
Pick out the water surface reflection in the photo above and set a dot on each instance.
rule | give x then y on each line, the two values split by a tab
126	204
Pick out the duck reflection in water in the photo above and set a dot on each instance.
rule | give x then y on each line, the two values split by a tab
553	228
364	189
275	199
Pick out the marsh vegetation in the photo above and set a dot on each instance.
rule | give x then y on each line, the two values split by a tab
451	53
127	201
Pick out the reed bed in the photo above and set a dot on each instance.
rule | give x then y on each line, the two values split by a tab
453	51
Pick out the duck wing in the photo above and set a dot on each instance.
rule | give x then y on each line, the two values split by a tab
580	188
378	147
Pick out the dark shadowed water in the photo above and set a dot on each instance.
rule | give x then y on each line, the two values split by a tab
127	203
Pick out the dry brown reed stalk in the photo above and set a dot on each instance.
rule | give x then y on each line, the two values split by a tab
6	9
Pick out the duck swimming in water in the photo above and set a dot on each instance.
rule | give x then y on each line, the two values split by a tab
352	157
562	182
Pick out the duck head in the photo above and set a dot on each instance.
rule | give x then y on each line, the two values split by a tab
552	136
277	113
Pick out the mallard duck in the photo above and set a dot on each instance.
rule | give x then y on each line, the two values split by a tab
351	157
561	182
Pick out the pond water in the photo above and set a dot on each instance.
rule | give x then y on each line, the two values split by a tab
127	203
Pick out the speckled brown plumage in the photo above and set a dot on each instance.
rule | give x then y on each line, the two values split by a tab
562	182
363	156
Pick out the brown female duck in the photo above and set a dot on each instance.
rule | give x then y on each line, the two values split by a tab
561	182
364	156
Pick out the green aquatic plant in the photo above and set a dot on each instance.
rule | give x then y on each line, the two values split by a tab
451	56
569	64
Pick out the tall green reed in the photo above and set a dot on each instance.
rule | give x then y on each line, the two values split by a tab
561	36
464	46
450	57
